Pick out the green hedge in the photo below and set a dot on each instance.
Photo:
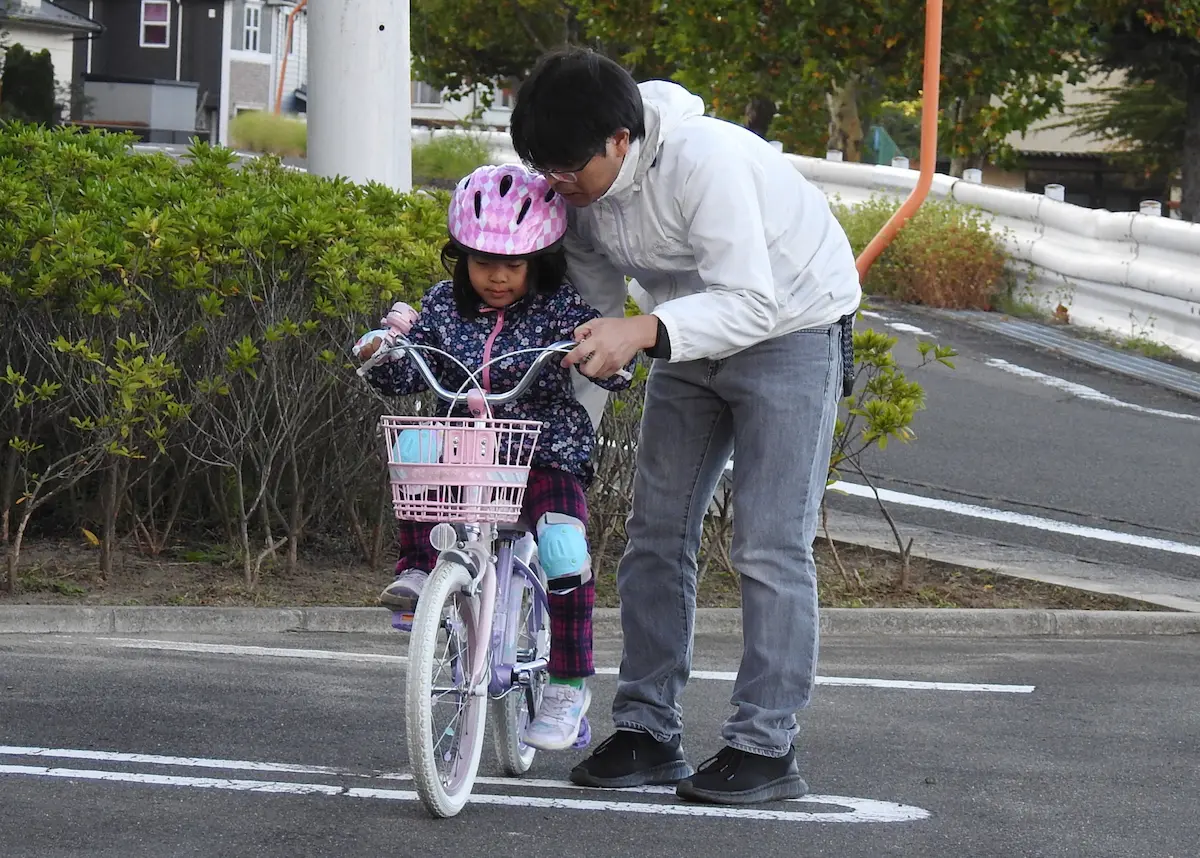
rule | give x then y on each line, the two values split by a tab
176	339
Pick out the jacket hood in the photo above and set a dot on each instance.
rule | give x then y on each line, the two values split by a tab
667	105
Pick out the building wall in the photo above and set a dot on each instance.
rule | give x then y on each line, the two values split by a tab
60	45
202	22
249	86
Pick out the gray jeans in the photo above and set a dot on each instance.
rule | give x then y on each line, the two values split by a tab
777	403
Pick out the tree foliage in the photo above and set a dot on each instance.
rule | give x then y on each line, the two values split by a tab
27	86
1158	41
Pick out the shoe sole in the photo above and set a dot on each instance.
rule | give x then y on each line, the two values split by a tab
398	603
792	786
587	702
667	773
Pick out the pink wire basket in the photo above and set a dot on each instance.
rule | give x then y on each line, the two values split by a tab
459	469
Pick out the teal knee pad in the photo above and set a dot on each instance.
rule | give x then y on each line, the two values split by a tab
563	552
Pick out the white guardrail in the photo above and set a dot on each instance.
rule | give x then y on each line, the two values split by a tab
1122	272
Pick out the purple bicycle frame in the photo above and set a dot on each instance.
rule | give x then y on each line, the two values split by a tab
502	675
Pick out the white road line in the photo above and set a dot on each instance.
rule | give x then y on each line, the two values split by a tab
275	652
867	682
1004	516
719	675
860	809
902	327
905	328
1083	391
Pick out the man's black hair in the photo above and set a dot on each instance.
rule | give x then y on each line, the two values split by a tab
546	272
568	107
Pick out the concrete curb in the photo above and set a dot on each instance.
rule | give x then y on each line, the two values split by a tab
939	622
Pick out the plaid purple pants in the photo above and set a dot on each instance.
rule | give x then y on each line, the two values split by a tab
549	490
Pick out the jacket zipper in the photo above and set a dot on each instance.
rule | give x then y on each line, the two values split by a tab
487	350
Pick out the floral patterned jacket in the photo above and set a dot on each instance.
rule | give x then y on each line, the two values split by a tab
567	438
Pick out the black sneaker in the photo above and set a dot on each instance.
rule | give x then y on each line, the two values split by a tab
737	777
630	758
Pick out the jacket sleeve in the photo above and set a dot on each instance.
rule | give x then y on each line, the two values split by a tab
573	311
722	207
399	376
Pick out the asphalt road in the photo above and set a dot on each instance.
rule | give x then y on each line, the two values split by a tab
1098	758
993	435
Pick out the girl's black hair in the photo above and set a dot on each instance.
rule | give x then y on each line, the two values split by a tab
544	276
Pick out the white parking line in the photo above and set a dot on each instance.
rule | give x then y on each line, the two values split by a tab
855	809
719	675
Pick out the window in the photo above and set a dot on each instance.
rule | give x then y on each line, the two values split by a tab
251	27
156	24
423	93
506	100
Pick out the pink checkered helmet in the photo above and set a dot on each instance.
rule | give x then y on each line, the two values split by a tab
506	211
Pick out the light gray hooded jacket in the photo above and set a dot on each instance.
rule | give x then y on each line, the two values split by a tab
728	244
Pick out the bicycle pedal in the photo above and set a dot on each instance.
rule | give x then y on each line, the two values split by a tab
402	621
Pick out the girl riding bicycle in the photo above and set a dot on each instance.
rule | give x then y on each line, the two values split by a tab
508	291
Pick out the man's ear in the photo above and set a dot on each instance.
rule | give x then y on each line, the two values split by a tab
621	142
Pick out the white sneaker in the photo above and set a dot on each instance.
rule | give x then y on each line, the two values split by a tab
556	726
403	593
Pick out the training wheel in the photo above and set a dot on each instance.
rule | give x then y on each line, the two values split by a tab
585	734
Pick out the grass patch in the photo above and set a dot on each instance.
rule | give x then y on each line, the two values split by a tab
450	157
447	158
946	256
258	131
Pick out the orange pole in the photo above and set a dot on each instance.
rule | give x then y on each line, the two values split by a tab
929	129
283	66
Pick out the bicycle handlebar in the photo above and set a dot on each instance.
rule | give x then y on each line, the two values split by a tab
403	346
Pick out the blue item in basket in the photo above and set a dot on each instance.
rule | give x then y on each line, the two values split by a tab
418	447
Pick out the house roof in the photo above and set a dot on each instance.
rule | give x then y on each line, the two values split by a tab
43	13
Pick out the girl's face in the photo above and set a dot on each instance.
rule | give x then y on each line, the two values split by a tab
498	282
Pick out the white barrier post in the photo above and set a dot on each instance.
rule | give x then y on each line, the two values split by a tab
1152	208
973	175
1056	192
900	162
359	116
833	155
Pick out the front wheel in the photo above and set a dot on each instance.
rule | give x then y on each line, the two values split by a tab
444	719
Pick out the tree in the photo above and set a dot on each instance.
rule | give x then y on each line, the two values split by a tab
460	44
1159	40
1001	71
27	87
1144	119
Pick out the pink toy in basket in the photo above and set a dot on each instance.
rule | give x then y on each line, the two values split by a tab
459	468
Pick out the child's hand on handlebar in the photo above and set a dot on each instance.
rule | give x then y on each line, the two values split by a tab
371	342
400	319
397	323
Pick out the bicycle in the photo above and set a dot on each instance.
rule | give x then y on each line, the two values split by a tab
485	602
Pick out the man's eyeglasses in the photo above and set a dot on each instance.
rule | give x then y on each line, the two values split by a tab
568	176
